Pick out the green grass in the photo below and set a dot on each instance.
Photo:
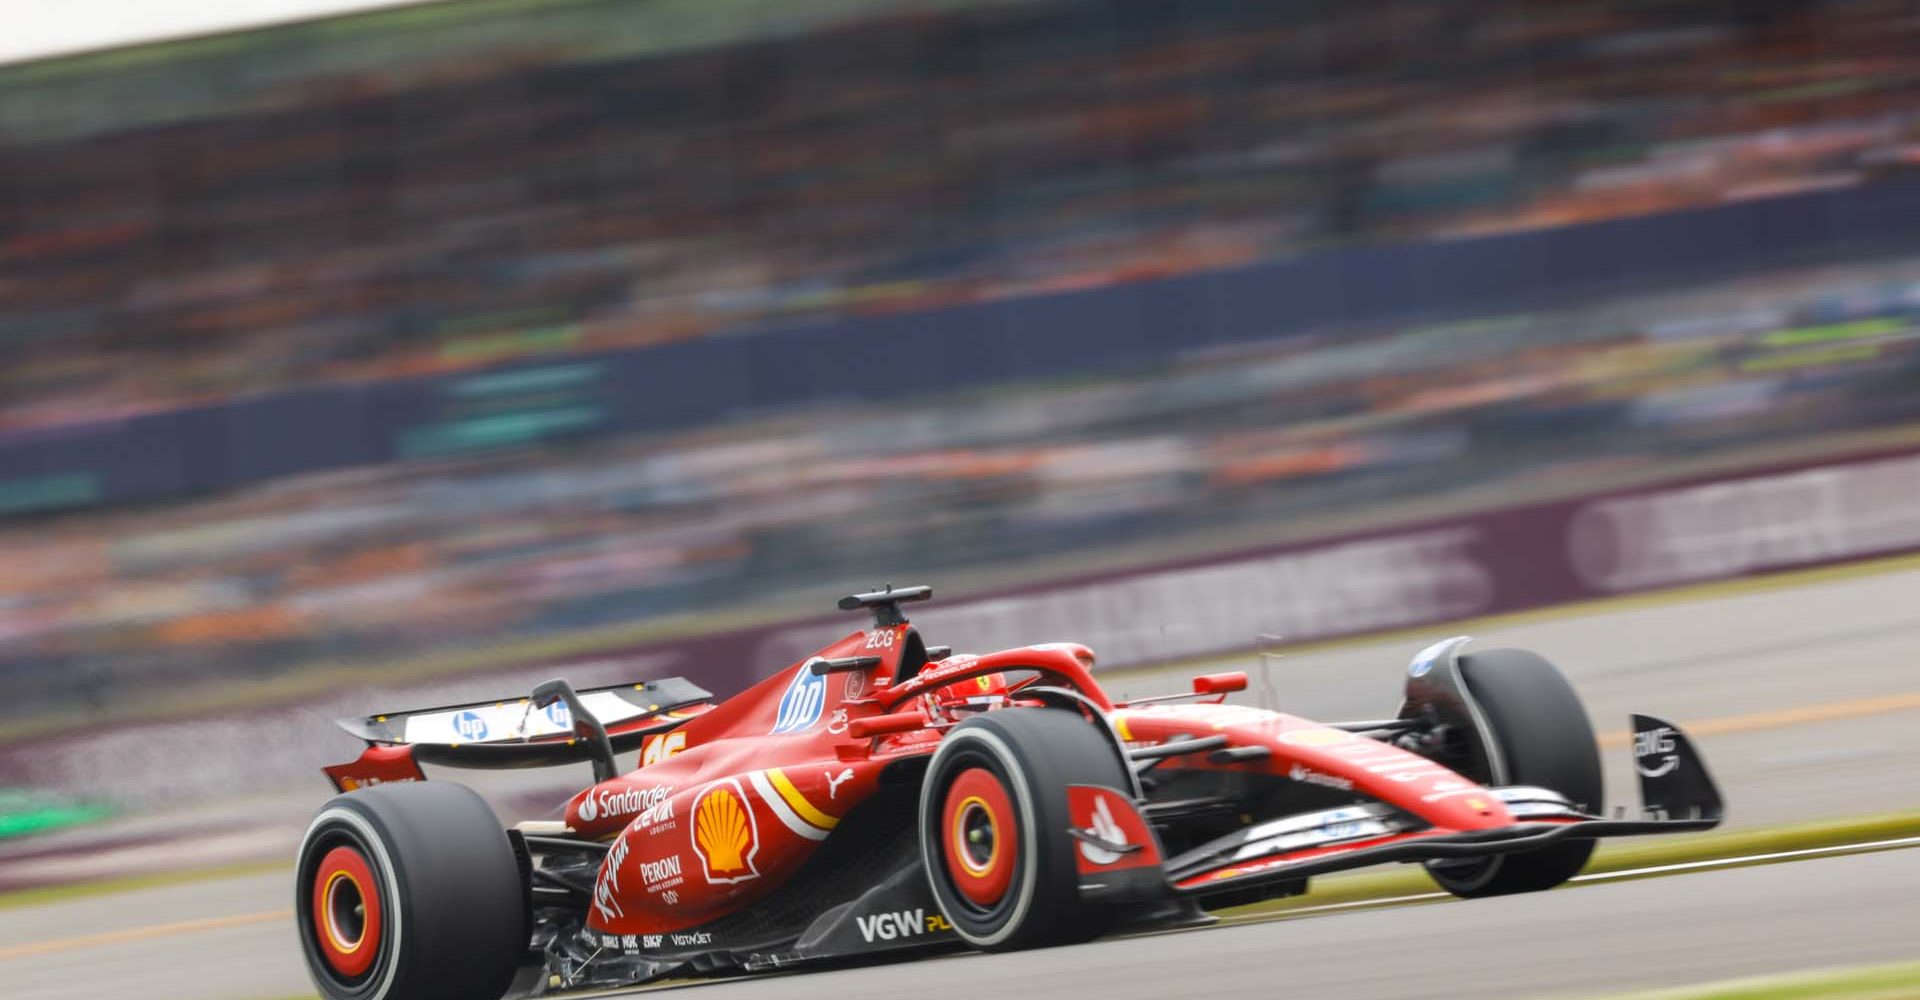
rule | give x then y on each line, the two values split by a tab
1900	981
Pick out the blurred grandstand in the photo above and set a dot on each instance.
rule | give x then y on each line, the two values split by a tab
501	207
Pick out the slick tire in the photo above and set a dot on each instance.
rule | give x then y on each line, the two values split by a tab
1542	733
994	821
410	892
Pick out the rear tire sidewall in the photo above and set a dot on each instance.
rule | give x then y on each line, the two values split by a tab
453	913
339	825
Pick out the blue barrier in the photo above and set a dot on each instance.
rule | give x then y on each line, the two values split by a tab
211	448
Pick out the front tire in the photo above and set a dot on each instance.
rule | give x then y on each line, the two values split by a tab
994	821
410	892
1541	732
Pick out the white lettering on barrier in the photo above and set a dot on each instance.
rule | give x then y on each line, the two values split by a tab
1739	526
1371	583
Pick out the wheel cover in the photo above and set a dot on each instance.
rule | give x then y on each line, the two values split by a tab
978	838
347	915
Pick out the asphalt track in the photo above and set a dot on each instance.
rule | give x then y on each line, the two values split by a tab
1740	669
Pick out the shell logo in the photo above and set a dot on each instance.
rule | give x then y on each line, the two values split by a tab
725	835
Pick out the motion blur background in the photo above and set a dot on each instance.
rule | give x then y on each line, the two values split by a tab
430	347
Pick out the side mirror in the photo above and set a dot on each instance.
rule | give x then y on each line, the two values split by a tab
585	724
1235	680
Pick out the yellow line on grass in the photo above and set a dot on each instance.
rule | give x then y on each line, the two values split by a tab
1878	982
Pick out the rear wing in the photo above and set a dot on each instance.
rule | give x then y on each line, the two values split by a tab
516	733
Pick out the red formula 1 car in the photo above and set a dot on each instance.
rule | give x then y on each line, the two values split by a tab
888	795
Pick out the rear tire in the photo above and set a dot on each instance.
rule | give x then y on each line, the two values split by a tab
994	821
1542	733
410	892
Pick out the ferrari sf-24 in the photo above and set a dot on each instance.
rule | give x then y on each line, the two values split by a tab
886	795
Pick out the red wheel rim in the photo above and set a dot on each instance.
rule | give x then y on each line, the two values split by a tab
977	836
346	911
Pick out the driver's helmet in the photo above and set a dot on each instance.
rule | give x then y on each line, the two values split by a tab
975	694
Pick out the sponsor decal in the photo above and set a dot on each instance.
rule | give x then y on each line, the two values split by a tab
900	924
1424	660
661	874
880	639
349	784
650	940
560	715
1309	776
470	726
1300	833
935	676
726	837
837	723
792	807
606	892
1656	743
1316	736
855	686
800	706
660	747
1397	765
653	804
692	938
1446	788
834	781
1103	827
1217	716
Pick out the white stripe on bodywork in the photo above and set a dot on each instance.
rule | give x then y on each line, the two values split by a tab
771	796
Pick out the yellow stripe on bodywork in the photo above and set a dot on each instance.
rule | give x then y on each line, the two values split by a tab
1120	724
799	802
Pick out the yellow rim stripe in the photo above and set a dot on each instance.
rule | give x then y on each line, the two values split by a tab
960	836
799	802
333	933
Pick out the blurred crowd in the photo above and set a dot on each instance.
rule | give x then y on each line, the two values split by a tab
409	557
245	221
423	195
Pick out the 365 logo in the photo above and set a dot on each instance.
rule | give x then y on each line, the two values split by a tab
800	706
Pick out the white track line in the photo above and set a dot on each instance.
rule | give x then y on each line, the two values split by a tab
1872	845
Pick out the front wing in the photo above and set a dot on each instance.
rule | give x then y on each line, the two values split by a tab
1677	794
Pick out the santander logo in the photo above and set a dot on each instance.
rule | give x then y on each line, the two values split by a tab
652	804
